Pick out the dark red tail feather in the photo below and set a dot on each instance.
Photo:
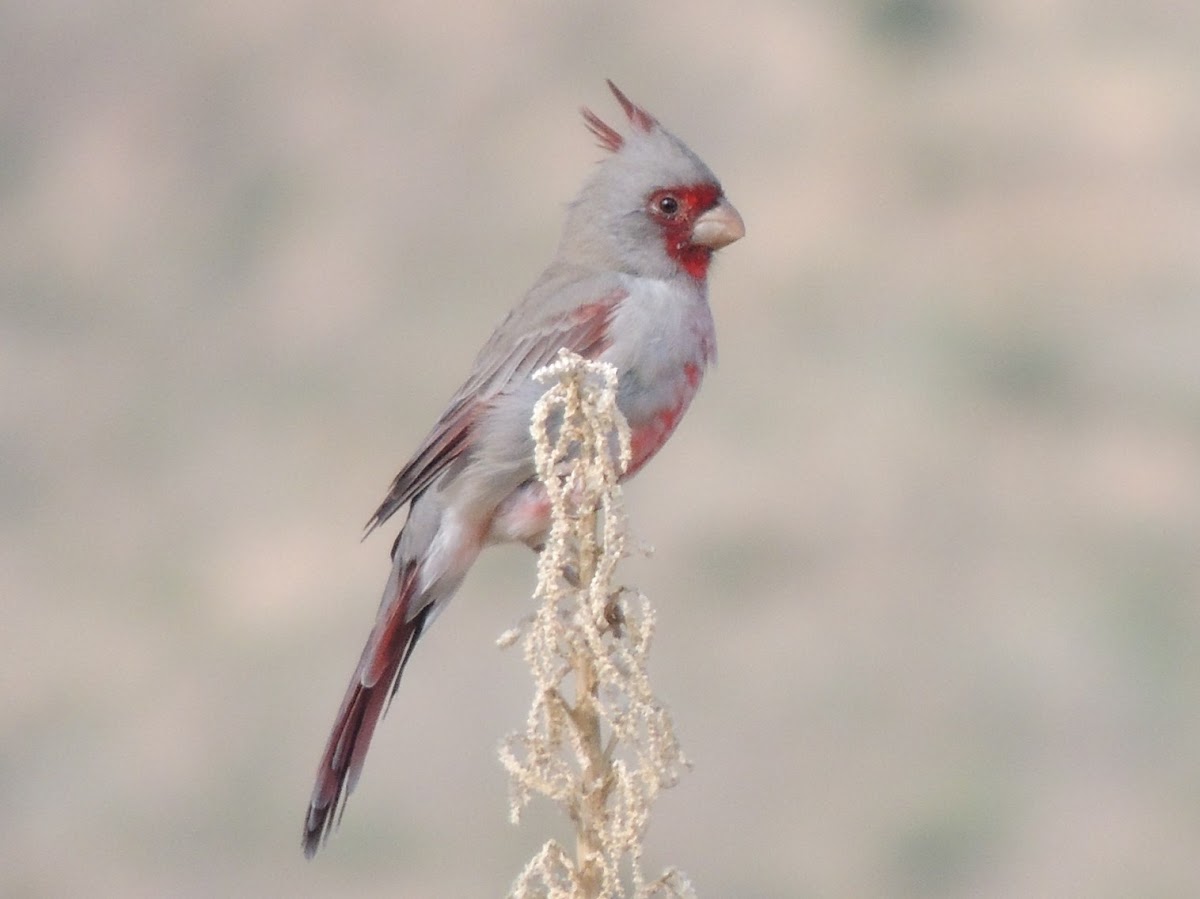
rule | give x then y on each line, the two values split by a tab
375	681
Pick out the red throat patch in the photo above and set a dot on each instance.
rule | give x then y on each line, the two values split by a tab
690	202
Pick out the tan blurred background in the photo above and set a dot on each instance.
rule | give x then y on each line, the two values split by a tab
927	545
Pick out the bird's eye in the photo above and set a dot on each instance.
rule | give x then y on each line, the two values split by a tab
667	205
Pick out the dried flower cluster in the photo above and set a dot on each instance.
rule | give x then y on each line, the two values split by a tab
597	741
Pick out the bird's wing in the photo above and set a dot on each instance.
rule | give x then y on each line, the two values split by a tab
505	362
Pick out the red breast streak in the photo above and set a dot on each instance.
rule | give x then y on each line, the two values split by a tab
648	438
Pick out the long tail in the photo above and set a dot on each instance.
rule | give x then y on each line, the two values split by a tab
372	687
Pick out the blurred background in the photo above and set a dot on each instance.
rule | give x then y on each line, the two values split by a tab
926	562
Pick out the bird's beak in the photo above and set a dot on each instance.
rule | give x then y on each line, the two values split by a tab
718	227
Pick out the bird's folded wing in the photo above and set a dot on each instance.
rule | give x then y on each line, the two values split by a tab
504	363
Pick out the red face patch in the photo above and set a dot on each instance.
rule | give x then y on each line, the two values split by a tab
676	209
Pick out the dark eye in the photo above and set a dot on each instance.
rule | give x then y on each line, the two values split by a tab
667	205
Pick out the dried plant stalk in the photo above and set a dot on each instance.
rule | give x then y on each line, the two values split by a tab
597	740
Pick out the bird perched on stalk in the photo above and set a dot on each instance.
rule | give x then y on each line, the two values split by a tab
628	286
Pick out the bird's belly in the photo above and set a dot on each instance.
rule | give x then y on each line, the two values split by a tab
522	517
649	433
663	341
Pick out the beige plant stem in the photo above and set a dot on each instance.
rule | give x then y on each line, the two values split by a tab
597	740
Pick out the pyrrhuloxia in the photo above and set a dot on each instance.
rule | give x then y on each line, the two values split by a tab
628	285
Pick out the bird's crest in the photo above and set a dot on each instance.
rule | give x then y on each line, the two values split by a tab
609	138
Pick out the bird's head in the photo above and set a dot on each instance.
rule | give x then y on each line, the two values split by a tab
652	208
